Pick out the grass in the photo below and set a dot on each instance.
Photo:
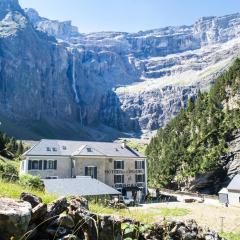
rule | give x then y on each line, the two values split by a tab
13	190
148	216
231	236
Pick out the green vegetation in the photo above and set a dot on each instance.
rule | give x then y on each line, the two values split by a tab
10	147
140	147
33	182
147	216
231	236
194	140
14	189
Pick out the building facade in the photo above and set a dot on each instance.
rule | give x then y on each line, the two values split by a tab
114	164
231	194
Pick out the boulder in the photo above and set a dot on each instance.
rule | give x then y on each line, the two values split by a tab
57	207
65	221
32	199
39	212
14	218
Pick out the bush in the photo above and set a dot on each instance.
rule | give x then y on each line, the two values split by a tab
8	171
31	181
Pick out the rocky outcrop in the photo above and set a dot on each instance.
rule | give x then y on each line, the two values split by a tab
71	83
14	218
71	219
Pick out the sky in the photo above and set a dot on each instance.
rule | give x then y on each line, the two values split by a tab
130	15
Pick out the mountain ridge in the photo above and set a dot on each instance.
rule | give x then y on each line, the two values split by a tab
130	83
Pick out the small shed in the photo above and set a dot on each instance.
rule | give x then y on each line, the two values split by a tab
79	186
223	195
234	191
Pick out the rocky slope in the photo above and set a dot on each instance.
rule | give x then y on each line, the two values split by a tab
66	219
132	82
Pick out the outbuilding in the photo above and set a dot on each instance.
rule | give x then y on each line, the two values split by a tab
231	194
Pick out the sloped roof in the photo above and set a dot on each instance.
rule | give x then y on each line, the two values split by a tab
80	186
223	191
235	183
80	148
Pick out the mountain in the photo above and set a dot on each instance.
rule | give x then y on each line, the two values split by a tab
198	150
57	82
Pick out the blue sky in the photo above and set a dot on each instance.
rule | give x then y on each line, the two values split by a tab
130	15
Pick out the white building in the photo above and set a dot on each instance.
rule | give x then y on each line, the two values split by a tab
231	194
114	164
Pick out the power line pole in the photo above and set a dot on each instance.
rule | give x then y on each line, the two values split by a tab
222	219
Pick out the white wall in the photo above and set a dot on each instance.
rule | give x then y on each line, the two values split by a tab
233	198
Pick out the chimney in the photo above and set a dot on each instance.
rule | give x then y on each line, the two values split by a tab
124	143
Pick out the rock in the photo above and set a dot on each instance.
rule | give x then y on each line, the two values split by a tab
77	202
39	212
65	221
70	237
14	218
32	199
56	232
57	207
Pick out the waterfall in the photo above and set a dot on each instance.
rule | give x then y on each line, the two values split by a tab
77	100
74	78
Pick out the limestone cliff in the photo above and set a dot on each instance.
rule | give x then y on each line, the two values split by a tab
55	80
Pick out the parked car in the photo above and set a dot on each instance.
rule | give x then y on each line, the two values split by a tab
126	200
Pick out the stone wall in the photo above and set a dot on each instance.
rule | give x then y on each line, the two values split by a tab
67	219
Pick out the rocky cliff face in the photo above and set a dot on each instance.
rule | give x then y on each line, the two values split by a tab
52	75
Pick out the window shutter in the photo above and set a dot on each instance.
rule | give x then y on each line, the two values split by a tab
136	178
123	179
29	164
143	177
115	165
86	171
95	172
55	164
135	164
45	165
143	164
122	164
40	165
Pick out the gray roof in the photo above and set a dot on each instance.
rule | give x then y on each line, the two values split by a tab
81	148
80	186
223	191
235	183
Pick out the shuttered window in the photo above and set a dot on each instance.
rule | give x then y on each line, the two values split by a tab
140	178
140	164
91	171
118	164
118	178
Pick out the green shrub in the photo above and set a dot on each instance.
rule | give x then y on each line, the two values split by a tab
10	169
31	181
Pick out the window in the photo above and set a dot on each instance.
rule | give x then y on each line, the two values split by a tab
50	164
48	149
54	149
118	164
64	147
118	178
91	171
35	165
140	178
89	150
140	164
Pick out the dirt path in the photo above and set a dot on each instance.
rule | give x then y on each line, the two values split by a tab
205	214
